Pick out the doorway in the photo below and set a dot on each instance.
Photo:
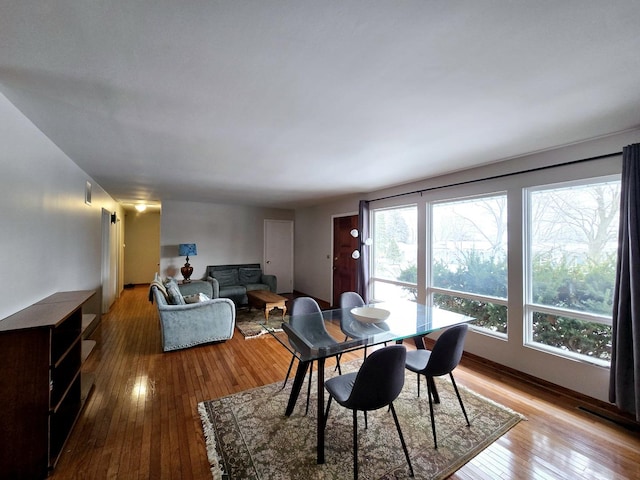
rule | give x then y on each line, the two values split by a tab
109	267
278	252
345	267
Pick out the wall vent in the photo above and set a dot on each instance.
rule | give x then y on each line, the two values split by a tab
627	424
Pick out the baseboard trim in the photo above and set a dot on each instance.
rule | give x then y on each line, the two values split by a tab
324	305
584	403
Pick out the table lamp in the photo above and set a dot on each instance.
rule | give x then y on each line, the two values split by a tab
186	249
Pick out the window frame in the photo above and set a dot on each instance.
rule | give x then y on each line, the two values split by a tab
530	307
372	229
432	290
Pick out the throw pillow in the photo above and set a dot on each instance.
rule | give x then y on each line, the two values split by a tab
250	275
227	278
196	298
173	292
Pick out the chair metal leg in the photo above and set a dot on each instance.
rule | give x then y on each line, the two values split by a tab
418	378
298	383
366	422
326	412
306	410
455	387
404	445
339	357
433	421
434	390
355	444
288	372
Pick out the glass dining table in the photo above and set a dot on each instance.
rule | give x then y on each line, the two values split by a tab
318	336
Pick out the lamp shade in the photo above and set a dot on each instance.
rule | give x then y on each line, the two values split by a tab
187	250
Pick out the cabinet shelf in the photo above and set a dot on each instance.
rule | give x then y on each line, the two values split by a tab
43	387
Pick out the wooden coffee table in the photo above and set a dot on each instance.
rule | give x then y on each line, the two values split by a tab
264	299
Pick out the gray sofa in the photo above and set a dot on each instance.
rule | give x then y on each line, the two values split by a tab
233	281
186	325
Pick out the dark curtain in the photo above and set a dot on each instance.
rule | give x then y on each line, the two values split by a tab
624	384
362	283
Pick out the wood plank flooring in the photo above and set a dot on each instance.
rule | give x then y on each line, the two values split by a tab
141	420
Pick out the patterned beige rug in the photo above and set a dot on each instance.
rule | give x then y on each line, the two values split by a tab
248	436
251	323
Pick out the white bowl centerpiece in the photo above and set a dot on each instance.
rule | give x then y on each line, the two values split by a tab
370	314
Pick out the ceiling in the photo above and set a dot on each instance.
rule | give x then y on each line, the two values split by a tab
292	102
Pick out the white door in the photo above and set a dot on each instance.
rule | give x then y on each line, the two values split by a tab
110	261
278	252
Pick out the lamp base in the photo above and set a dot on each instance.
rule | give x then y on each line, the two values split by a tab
186	272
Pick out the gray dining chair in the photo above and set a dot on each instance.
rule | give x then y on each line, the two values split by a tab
442	360
375	385
306	317
351	327
351	300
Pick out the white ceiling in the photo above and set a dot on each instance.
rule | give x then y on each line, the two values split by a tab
286	103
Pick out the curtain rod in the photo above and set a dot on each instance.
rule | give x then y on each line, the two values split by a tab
503	175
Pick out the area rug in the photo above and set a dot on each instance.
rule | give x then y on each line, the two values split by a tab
248	436
250	323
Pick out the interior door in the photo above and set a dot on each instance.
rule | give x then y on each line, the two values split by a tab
109	266
278	252
344	266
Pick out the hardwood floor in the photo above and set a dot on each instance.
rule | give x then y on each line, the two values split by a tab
141	420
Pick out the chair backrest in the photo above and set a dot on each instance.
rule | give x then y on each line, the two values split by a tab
306	318
351	300
379	380
447	351
304	305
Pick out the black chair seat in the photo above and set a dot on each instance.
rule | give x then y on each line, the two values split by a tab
417	360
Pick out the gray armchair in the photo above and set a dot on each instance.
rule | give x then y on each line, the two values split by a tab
193	324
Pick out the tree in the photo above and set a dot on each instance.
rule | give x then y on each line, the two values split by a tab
583	215
410	275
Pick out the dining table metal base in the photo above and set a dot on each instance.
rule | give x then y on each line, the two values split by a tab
298	381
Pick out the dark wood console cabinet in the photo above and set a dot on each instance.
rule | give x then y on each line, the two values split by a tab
41	384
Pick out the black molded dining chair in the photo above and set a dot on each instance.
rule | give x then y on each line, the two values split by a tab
350	326
306	317
442	360
377	384
351	300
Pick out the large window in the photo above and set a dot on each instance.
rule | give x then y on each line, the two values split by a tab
394	253
469	259
571	262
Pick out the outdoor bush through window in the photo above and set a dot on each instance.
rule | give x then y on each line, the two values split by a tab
469	259
571	268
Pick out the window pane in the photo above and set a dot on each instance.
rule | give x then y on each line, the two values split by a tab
395	244
488	315
387	292
569	334
574	245
470	245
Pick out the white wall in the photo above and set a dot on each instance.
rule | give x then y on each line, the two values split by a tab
223	234
313	240
142	246
50	239
313	266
